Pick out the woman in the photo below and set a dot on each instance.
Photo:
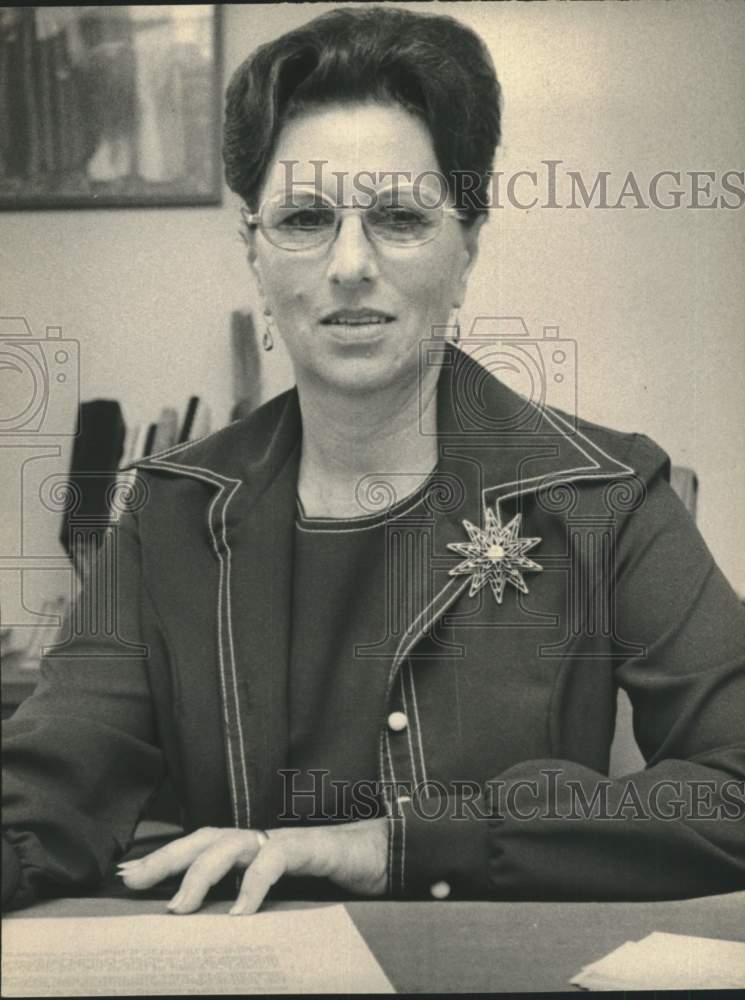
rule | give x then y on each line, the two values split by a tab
414	697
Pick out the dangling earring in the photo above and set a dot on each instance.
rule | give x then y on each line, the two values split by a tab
267	341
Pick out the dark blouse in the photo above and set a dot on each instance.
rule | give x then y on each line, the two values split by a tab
341	649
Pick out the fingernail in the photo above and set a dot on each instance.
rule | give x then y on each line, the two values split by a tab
176	902
130	864
237	910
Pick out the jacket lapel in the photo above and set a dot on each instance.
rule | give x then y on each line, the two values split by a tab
259	633
252	470
495	447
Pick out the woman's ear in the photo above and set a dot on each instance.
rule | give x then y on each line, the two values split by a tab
471	247
472	234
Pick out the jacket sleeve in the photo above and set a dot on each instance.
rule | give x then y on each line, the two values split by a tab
554	829
80	756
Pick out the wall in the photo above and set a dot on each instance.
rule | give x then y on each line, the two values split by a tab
653	298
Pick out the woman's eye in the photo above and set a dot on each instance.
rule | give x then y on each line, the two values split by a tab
309	218
399	218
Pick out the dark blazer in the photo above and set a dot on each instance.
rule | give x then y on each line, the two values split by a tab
495	785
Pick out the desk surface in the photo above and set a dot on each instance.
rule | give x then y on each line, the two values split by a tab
483	947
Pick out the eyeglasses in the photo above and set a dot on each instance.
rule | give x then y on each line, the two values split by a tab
309	219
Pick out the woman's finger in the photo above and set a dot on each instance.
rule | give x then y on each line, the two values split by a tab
269	865
210	866
168	860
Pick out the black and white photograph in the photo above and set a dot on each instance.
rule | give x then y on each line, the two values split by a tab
372	551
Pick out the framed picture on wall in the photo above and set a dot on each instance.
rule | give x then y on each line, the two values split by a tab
110	106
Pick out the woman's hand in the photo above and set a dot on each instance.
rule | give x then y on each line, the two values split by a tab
353	855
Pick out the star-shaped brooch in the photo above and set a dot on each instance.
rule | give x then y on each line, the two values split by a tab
494	555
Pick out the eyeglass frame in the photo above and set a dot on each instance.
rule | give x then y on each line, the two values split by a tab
253	220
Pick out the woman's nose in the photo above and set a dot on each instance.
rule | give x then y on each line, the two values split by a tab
353	256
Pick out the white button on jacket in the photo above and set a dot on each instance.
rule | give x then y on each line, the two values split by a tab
397	721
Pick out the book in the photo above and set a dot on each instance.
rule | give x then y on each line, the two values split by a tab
166	430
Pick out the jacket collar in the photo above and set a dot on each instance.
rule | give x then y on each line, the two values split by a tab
247	454
499	442
505	446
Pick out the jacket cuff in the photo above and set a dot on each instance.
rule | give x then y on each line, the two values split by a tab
438	849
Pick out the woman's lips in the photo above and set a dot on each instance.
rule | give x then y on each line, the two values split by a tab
357	317
357	325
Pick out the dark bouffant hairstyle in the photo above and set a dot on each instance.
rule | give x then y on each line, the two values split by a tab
431	64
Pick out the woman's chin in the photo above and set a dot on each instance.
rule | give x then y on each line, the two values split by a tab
361	370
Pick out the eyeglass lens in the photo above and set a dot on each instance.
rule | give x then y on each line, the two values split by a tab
308	219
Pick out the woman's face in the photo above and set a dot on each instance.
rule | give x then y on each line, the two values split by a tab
394	297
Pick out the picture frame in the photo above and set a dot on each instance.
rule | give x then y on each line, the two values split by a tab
110	106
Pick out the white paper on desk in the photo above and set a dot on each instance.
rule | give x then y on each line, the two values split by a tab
667	962
315	950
